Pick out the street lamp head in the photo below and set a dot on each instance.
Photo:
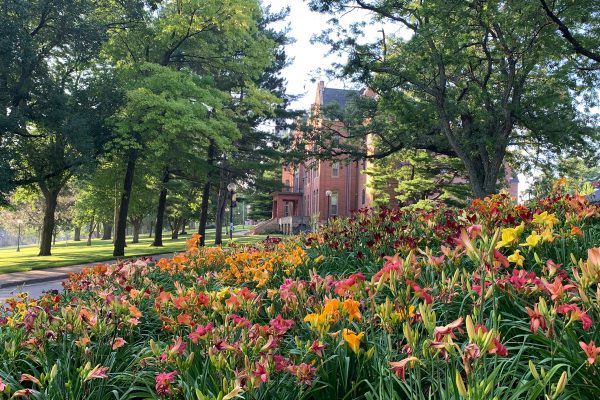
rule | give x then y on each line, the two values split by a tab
232	187
19	221
328	193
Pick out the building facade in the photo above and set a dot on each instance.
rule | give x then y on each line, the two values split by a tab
317	189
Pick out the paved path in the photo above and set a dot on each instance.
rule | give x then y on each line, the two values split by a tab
34	290
40	280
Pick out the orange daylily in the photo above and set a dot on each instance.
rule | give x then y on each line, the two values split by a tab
351	307
353	339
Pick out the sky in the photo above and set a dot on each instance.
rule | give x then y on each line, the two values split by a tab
302	75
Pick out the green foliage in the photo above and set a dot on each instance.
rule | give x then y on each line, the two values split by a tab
464	79
413	177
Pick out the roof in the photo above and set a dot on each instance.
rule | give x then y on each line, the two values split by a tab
594	197
339	96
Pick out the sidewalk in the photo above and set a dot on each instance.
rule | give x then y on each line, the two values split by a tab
14	279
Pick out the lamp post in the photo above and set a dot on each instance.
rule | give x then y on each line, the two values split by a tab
19	222
232	188
328	193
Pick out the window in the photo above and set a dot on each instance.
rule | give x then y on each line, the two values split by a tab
334	203
363	197
335	169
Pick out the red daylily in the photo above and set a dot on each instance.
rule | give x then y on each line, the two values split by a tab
448	330
590	350
317	348
280	326
575	314
260	371
118	343
556	289
97	372
537	319
399	367
420	292
305	373
200	332
163	383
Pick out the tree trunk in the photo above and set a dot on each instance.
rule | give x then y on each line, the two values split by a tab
54	236
182	228
119	250
50	202
175	230
151	229
106	231
90	233
205	195
220	217
160	211
77	236
137	226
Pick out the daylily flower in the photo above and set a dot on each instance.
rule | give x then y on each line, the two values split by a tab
163	383
532	240
509	236
399	367
351	307
591	351
516	258
317	348
261	372
304	373
447	330
575	314
118	343
200	332
30	378
353	339
2	386
537	319
556	289
280	326
547	235
545	218
97	372
496	347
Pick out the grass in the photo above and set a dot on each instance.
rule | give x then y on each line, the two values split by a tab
73	253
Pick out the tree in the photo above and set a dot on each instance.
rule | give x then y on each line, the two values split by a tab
44	45
260	200
144	202
578	173
579	23
411	176
210	39
473	79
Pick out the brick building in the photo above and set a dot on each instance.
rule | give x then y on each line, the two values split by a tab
316	190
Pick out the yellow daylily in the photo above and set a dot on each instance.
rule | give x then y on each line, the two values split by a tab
516	258
353	339
510	236
532	240
545	219
548	235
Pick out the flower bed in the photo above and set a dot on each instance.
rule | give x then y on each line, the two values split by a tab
494	301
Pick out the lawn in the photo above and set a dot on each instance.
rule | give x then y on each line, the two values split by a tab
73	253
